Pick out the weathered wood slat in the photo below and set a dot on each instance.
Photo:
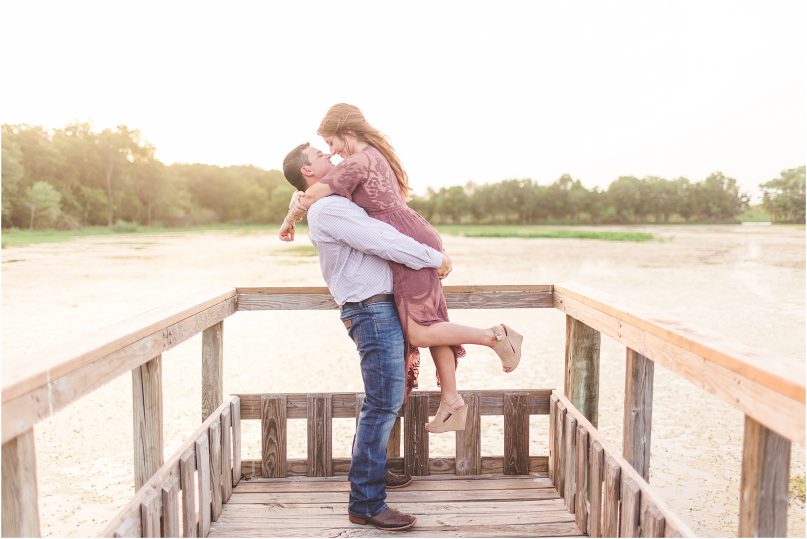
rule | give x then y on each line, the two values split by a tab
203	482
570	471
394	443
226	456
638	412
771	392
20	514
560	446
212	368
171	468
468	443
359	404
612	479
429	483
595	489
553	452
491	402
273	436
437	466
629	508
147	412
150	509
128	528
457	297
416	438
235	409
187	467
214	438
170	508
516	434
581	478
402	495
764	482
86	368
320	457
651	521
581	382
674	526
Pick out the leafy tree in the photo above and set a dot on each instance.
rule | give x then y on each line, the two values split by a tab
44	199
784	197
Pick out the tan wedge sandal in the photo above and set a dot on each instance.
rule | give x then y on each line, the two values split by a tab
455	420
508	347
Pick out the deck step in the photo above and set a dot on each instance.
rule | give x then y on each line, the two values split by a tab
483	506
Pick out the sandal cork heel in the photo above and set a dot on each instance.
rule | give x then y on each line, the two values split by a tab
508	347
455	420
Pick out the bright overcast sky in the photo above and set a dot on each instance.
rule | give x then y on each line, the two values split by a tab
466	91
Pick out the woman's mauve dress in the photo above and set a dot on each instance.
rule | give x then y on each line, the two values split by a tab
367	179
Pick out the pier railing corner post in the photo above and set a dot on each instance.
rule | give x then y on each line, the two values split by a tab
212	368
581	381
20	497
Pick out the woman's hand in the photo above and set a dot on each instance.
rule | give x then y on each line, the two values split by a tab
296	207
445	267
286	232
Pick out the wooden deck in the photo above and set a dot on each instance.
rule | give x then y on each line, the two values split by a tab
445	505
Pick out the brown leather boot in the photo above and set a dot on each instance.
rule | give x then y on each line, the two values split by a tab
388	519
393	480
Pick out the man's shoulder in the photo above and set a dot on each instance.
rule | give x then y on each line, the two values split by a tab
334	205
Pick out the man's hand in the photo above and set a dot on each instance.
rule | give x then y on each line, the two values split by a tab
286	232
445	267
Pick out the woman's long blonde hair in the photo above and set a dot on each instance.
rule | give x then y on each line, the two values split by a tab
343	117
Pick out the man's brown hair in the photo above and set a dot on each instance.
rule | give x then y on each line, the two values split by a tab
294	161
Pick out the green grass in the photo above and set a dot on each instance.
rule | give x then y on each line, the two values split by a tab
506	231
17	237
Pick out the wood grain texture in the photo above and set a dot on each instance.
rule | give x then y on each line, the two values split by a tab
764	482
772	392
26	403
491	402
595	489
457	297
273	436
147	413
214	438
150	509
468	443
394	442
638	412
581	382
612	479
674	526
630	499
129	528
416	437
560	446
203	482
581	478
553	451
170	508
20	516
651	521
320	454
187	470
235	410
570	457
226	456
516	434
212	368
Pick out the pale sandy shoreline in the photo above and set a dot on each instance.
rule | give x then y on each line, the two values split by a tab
745	283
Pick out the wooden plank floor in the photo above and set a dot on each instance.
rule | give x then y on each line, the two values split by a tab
445	506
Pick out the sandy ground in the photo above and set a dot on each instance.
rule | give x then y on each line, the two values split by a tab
744	282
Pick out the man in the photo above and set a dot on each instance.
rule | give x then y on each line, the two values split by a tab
353	252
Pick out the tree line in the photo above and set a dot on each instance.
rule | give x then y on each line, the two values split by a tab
75	176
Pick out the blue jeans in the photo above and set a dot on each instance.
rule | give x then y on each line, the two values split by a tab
376	330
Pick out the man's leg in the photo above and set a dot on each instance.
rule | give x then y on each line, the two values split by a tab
379	339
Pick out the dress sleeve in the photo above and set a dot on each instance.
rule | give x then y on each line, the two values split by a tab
345	177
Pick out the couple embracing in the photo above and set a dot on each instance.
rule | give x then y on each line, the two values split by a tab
383	264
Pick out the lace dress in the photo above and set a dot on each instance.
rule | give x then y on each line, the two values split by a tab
367	179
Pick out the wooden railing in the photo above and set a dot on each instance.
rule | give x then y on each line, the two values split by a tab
772	396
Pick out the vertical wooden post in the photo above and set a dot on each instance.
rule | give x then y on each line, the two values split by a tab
20	504
235	410
170	503
581	479
516	434
394	443
187	469
581	383
638	412
273	436
764	480
203	483
226	456
570	471
212	368
610	504
147	412
553	452
595	488
469	442
320	455
214	437
150	509
416	437
629	511
560	448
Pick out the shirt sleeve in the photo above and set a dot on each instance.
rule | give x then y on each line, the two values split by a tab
345	222
347	175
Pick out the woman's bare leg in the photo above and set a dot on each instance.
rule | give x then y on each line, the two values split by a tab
445	363
450	334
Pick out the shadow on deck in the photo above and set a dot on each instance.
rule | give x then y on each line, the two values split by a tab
445	506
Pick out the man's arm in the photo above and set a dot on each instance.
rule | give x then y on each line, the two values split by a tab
344	222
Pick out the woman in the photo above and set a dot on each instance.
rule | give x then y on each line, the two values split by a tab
371	175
